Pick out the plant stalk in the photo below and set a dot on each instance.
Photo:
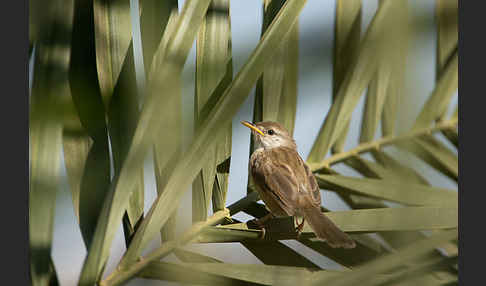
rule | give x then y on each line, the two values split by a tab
377	144
121	275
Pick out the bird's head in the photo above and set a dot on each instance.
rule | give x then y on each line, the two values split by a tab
268	134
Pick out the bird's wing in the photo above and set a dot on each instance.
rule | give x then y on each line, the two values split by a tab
281	182
313	186
289	179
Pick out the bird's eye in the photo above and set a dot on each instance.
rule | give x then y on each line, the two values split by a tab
270	132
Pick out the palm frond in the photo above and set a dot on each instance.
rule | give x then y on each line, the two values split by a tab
86	99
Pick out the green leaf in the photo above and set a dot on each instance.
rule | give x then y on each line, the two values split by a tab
347	31
372	170
116	72
275	100
220	187
170	65
50	84
288	100
186	273
193	257
85	91
46	139
354	221
269	86
76	146
324	165
244	274
277	253
155	30
113	35
375	100
167	149
453	136
122	115
390	106
421	268
244	202
283	255
154	17
398	46
69	116
225	109
395	219
261	274
434	153
357	78
347	36
161	175
361	254
403	171
393	171
272	80
362	202
229	233
386	263
276	89
446	15
392	190
123	274
438	102
256	210
213	57
455	115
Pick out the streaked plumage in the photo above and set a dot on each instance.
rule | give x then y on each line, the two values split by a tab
286	184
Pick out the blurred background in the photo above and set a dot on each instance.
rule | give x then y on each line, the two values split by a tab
316	34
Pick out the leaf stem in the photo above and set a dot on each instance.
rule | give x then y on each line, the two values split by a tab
121	275
377	144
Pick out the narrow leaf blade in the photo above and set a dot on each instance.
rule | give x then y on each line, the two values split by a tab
45	134
357	78
186	273
439	100
213	56
226	107
113	35
347	36
86	94
179	45
388	262
76	146
288	99
434	153
353	221
410	194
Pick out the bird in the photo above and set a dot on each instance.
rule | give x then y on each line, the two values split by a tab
286	184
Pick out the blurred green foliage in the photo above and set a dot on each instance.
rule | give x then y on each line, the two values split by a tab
85	99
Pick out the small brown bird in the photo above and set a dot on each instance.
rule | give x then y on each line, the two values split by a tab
286	184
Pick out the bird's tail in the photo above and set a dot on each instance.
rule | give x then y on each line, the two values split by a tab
326	230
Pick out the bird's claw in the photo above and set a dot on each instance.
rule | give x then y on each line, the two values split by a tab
300	227
255	224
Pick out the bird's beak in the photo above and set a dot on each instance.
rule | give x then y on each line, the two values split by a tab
252	126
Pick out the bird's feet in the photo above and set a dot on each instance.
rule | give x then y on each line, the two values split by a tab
259	223
300	226
255	224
